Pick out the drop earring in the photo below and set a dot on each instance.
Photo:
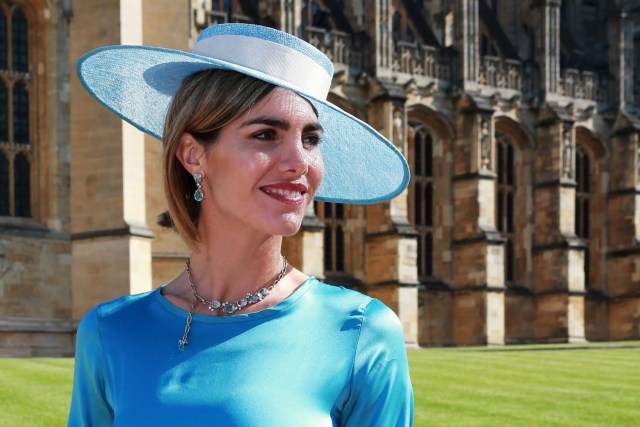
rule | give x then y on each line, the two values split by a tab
198	195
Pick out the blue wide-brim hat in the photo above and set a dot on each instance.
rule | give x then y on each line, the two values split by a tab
137	83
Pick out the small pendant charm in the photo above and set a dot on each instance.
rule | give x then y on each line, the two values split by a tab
181	344
198	195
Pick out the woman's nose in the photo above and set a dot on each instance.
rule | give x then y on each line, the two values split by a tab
295	158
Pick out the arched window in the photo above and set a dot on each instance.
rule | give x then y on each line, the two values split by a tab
15	86
339	267
315	15
4	184
5	38
4	113
487	47
423	183
221	5
21	185
20	114
333	217
20	41
411	37
583	201
396	29
328	250
506	190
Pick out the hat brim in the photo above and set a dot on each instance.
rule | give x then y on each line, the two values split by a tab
138	82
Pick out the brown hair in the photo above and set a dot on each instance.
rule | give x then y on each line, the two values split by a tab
205	102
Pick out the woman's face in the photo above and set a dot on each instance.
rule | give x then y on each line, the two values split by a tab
265	166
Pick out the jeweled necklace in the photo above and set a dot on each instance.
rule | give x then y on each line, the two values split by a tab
227	307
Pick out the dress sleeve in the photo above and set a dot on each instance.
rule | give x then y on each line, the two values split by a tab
89	403
381	393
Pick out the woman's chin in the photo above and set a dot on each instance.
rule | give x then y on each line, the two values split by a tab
289	227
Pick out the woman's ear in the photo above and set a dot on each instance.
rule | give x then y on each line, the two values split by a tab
191	153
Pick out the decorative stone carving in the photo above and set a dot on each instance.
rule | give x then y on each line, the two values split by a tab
485	145
398	128
567	154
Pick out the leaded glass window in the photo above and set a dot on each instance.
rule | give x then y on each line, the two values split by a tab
583	202
19	41
20	113
422	191
5	39
4	113
21	185
4	184
16	145
505	210
333	217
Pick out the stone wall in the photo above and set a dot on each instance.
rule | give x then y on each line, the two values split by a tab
35	295
35	252
596	314
519	317
98	191
435	325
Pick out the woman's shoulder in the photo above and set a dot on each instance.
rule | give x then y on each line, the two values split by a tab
339	297
380	338
374	314
122	306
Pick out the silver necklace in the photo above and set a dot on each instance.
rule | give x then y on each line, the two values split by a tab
227	307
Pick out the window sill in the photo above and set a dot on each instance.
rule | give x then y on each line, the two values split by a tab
28	227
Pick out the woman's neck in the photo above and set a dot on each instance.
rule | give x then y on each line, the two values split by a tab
227	265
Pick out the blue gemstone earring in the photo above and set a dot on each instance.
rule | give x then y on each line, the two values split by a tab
198	195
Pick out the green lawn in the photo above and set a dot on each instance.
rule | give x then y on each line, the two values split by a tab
578	385
35	392
528	386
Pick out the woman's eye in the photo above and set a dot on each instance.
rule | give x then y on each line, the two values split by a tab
311	139
266	135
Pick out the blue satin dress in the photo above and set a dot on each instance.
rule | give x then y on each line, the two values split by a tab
325	356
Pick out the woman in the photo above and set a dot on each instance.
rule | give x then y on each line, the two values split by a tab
241	338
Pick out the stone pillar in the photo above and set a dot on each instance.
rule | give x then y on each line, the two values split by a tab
467	25
623	259
547	54
558	255
478	257
621	58
108	178
380	29
391	246
288	20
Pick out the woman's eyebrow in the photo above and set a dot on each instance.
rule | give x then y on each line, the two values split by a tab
280	124
269	121
311	127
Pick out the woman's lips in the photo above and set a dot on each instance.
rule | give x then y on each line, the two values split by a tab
292	193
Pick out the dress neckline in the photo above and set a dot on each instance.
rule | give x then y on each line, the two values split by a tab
308	284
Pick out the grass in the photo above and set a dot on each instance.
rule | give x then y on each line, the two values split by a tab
563	385
570	385
35	392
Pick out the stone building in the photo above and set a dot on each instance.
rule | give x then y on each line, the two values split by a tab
519	120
